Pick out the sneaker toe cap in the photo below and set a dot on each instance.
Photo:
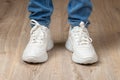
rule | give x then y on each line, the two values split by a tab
85	56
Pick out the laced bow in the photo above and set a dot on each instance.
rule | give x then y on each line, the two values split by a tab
37	32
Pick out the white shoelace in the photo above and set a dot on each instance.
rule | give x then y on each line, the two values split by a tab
81	36
37	33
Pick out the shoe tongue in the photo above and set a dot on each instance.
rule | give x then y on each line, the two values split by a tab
38	27
43	27
82	24
76	28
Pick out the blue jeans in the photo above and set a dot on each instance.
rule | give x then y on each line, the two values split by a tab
78	10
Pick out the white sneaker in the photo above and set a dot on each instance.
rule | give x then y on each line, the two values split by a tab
40	42
80	44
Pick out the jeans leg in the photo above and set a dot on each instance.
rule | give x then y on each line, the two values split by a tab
79	10
41	11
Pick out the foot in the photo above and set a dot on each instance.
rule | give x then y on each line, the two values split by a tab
40	42
80	44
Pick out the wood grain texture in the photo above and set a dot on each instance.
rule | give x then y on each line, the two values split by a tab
14	35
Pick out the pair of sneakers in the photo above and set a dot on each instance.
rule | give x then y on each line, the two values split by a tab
79	43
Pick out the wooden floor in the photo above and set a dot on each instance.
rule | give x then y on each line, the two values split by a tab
14	35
